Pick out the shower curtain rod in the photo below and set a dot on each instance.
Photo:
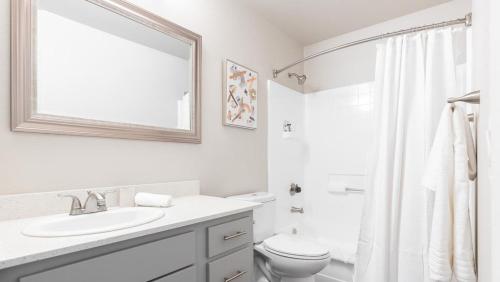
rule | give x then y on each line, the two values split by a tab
467	20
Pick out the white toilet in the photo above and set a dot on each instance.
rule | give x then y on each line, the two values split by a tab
281	257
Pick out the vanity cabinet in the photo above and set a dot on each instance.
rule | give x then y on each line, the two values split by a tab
219	250
142	263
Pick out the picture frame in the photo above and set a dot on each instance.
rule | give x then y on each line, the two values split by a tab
239	95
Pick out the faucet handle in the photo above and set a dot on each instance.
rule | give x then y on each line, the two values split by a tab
295	188
66	195
76	205
99	197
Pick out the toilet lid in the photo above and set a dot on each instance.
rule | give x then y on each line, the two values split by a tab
295	246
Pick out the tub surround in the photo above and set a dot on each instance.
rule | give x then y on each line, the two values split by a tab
17	249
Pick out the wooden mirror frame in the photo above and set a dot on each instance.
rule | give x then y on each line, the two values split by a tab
23	79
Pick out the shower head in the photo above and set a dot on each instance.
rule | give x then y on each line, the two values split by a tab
301	79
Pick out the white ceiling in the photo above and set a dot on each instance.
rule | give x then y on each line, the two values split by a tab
310	21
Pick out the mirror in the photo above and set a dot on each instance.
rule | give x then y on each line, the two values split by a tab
104	68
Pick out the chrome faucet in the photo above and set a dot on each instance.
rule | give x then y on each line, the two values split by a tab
96	202
76	205
297	210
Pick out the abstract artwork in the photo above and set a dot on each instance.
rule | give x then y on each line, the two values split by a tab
239	96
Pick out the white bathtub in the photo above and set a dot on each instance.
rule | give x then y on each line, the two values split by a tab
341	267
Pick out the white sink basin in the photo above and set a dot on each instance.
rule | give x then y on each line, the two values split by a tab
114	219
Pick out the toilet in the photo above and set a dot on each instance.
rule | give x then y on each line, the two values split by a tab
281	257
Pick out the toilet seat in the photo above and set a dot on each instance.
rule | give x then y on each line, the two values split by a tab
292	246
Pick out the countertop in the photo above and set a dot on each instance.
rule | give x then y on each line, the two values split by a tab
17	249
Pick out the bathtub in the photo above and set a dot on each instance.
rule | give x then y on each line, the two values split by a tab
341	266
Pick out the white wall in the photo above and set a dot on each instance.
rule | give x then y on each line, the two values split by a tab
286	156
356	64
480	80
495	132
229	161
494	93
486	73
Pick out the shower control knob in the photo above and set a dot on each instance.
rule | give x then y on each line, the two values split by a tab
294	188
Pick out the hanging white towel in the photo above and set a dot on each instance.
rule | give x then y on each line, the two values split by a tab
463	251
447	174
438	177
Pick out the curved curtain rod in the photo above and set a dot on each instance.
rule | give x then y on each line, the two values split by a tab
467	20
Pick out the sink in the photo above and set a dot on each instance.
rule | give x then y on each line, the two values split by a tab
114	219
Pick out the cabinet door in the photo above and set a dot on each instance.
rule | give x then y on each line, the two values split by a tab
137	264
237	267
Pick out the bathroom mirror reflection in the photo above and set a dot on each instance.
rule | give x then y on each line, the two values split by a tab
109	68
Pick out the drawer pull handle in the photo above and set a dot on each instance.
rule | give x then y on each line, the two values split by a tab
229	237
236	276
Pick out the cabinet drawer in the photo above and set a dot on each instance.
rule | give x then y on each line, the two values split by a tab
140	263
229	235
237	267
185	275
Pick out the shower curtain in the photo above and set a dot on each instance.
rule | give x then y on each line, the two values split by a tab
415	74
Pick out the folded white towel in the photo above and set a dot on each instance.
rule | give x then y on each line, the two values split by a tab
153	200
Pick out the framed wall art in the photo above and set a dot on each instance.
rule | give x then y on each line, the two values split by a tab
240	95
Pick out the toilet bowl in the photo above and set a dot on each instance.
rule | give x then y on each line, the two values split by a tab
282	257
291	258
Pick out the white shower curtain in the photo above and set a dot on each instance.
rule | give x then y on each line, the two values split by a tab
414	76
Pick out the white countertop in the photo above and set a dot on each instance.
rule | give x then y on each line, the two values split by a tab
17	249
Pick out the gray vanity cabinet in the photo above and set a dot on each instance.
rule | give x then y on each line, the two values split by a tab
219	250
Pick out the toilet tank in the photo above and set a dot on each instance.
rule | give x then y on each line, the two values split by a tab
263	216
